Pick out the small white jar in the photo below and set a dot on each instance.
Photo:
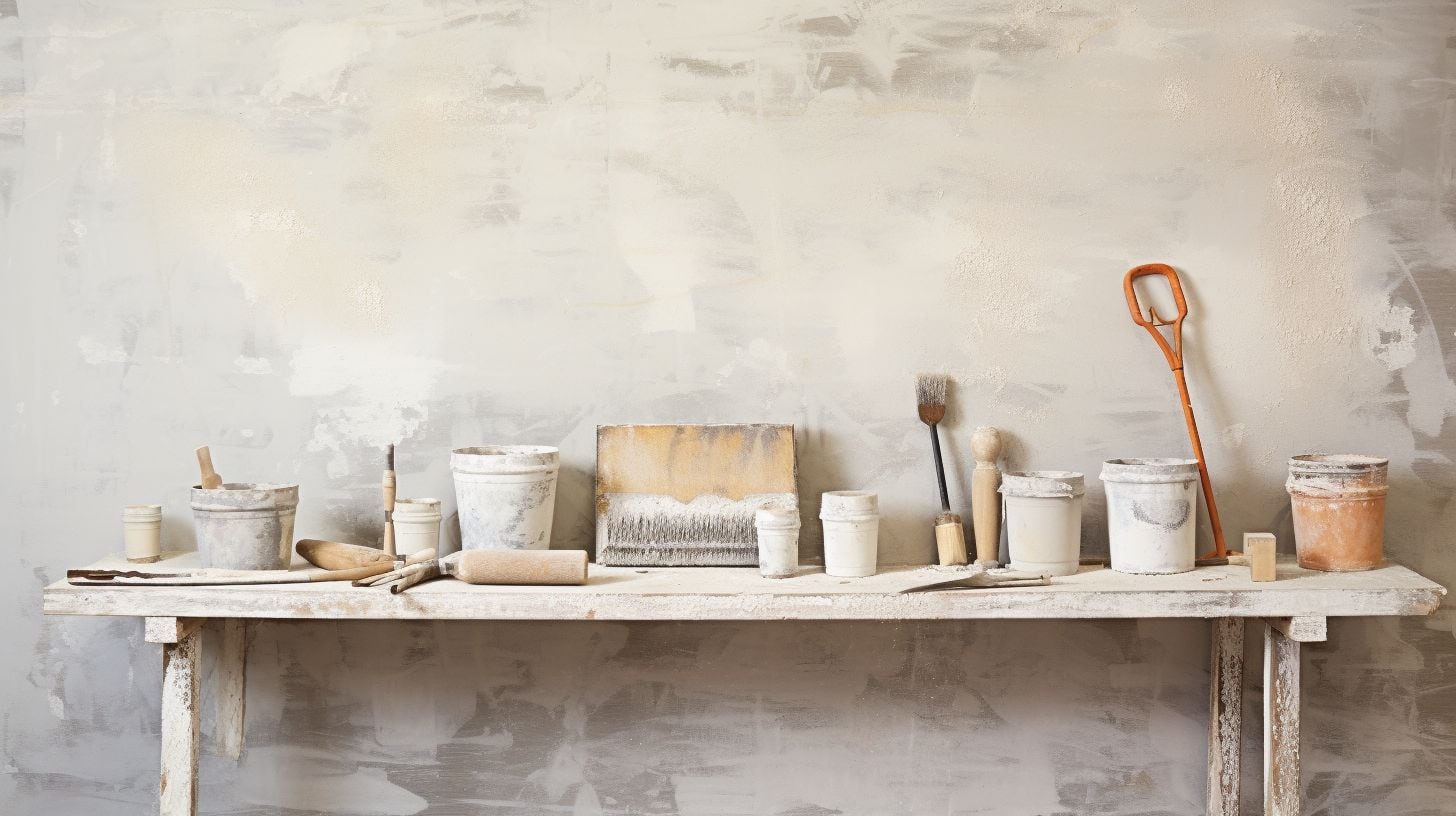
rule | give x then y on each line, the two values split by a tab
778	541
851	533
416	525
141	526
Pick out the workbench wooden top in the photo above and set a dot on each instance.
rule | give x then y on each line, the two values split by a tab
739	593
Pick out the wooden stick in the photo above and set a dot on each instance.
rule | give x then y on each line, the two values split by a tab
210	479
389	482
202	578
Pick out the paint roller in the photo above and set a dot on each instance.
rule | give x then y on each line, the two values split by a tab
499	567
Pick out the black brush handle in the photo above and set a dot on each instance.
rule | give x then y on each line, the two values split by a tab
939	469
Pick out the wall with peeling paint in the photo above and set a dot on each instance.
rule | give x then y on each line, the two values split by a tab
300	231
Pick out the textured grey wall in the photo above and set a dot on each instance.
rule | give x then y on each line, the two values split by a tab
299	231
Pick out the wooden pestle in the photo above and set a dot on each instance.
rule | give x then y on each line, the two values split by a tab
985	500
210	479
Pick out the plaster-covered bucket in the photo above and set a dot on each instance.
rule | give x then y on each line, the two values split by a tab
1152	514
238	525
416	525
1044	520
851	533
778	541
1339	510
287	499
506	496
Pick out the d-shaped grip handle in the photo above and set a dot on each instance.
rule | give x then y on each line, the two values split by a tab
1172	353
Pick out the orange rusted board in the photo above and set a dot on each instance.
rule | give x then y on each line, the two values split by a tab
685	495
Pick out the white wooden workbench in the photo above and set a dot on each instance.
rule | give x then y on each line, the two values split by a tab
1291	610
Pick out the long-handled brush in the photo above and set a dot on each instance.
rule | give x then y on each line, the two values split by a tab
950	536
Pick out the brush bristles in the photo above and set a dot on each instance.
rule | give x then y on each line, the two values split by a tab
390	459
930	389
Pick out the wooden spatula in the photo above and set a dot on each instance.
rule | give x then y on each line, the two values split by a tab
210	479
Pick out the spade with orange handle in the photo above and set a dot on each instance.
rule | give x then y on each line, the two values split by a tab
1174	355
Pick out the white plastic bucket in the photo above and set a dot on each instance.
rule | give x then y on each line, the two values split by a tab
1044	520
238	525
416	525
506	495
1152	514
778	541
851	521
141	526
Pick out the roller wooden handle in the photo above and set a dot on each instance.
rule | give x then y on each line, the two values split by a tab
950	540
985	500
522	567
210	479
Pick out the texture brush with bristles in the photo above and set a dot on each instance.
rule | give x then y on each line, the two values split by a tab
950	538
930	393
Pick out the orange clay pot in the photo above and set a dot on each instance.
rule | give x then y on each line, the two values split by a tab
1339	511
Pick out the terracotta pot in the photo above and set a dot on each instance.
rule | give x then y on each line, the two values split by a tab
1339	510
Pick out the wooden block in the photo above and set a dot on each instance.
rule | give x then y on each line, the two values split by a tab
1259	548
685	495
1303	628
169	630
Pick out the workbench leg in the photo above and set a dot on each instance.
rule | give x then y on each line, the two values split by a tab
1282	793
229	680
181	640
1225	715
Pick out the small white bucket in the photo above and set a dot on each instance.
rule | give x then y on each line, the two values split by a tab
416	525
778	541
238	525
851	533
1152	514
141	526
506	496
1044	520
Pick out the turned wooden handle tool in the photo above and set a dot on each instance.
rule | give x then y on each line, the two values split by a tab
985	495
389	481
1173	353
210	479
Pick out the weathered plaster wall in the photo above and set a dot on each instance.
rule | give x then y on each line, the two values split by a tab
300	231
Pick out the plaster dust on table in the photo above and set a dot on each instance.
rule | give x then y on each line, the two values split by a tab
300	231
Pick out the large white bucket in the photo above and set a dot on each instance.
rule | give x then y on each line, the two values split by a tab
506	496
1044	520
1152	514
